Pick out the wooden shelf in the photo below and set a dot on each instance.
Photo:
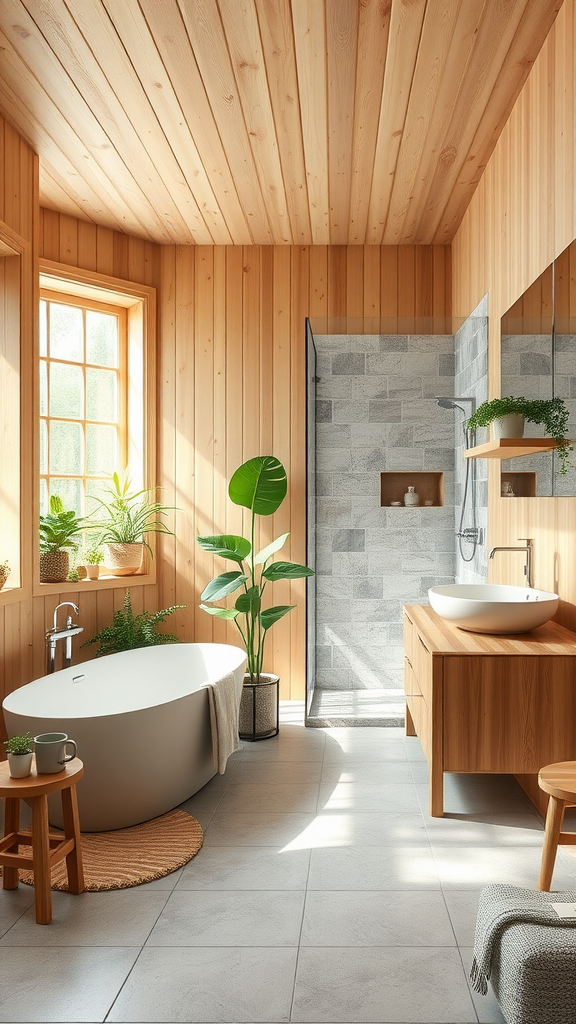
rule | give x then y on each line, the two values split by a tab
511	447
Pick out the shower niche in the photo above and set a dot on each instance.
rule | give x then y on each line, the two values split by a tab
428	486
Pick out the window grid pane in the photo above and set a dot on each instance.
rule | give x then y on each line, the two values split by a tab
76	455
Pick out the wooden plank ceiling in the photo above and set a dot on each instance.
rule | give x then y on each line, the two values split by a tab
266	121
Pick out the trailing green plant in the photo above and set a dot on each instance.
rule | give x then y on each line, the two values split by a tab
129	515
259	485
59	527
127	631
551	413
19	744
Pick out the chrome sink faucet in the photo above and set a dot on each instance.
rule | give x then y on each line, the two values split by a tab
528	548
61	633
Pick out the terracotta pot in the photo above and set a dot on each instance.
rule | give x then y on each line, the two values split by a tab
54	566
259	708
123	559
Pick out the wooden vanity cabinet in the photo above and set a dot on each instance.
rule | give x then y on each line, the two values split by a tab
480	703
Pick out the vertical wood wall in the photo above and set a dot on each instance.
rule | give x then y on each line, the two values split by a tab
521	217
233	385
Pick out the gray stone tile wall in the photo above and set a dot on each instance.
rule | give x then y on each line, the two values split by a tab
471	381
375	412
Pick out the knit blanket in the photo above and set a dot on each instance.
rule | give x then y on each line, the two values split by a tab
504	905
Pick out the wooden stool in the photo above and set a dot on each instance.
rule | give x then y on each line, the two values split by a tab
47	848
559	780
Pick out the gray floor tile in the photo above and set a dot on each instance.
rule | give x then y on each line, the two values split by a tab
253	829
462	907
235	985
348	828
270	796
230	918
364	796
473	867
286	772
13	904
487	1007
351	985
376	919
119	918
246	867
70	984
521	829
349	868
380	773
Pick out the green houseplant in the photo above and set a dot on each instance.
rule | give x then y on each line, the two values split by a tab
127	631
58	530
551	413
259	485
92	558
19	750
127	517
4	573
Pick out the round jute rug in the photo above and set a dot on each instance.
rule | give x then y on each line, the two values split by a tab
132	856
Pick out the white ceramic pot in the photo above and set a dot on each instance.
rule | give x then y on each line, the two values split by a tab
92	571
123	559
511	425
20	765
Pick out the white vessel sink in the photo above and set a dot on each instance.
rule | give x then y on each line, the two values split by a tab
493	607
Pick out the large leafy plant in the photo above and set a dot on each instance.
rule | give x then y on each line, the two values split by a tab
259	485
59	527
128	631
129	515
551	413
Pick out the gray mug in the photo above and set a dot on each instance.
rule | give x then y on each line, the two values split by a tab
50	750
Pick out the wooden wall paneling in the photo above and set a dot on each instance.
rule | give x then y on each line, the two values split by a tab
354	280
87	245
318	280
406	281
166	440
337	291
50	235
371	284
220	496
278	642
12	184
297	476
389	281
189	523
104	250
68	232
205	565
423	280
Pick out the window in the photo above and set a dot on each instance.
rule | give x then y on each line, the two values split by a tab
83	398
96	401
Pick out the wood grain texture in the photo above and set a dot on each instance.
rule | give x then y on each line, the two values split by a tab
268	121
521	217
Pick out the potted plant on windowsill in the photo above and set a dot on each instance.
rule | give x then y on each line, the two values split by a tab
19	750
4	573
57	532
128	516
551	413
92	559
259	485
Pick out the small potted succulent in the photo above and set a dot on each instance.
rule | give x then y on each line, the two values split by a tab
92	559
4	573
19	750
58	530
127	517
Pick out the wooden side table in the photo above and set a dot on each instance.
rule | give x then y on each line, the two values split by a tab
559	781
47	848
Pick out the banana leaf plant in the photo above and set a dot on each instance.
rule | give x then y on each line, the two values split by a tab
259	485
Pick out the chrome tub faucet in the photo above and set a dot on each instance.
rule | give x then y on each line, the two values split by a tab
61	633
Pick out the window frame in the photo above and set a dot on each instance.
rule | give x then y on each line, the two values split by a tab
139	302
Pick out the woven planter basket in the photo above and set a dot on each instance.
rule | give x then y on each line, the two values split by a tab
123	559
259	708
54	566
3	578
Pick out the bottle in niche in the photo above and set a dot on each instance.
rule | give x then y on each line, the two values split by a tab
411	497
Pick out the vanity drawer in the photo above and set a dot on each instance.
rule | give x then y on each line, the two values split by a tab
411	687
422	720
421	662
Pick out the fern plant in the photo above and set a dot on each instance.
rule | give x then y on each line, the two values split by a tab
128	631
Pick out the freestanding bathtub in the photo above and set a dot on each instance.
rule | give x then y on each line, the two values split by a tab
141	721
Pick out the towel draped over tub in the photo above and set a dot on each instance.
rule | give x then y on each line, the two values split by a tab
224	700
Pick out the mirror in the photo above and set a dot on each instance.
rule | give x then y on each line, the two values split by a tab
538	360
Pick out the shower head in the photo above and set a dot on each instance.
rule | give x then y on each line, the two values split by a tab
452	403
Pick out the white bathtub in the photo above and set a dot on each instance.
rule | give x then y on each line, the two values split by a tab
141	721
